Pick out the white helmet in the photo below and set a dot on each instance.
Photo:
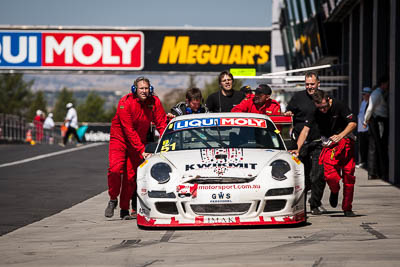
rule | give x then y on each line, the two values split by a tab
69	105
38	112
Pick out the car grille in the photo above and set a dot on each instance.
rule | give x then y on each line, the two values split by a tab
225	209
166	207
274	205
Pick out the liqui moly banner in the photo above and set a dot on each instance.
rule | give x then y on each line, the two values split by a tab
89	50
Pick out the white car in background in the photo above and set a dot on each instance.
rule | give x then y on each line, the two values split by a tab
221	169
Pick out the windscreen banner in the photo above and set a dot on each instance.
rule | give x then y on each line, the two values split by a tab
146	50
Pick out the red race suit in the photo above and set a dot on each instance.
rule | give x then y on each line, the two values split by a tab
271	107
338	161
128	133
337	158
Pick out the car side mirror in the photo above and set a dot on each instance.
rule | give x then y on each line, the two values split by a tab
151	148
291	144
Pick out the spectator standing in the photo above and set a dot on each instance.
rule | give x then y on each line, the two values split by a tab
129	128
49	122
71	122
336	123
192	105
261	103
362	136
376	118
38	123
226	98
301	107
48	127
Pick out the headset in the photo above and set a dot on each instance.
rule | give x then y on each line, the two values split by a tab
190	111
142	78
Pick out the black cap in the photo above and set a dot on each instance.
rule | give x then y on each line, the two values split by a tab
263	89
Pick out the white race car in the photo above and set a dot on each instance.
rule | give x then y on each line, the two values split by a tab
220	169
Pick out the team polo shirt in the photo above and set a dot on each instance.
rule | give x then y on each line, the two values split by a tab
217	102
335	120
303	107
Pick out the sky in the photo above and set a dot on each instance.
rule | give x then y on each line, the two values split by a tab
130	13
200	13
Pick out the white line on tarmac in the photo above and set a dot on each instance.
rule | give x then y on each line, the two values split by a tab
50	155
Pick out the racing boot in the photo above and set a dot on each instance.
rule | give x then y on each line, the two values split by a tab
112	204
349	213
124	214
333	199
316	211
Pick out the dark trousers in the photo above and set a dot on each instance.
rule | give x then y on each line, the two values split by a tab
378	158
71	130
314	172
363	147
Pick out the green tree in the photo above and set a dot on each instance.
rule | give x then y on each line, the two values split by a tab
110	113
64	97
172	98
38	102
15	94
92	110
177	95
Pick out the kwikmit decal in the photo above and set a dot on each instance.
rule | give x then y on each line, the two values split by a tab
189	167
233	160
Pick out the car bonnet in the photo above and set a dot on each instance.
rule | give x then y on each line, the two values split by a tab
221	162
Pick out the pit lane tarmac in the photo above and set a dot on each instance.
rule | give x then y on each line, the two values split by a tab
81	236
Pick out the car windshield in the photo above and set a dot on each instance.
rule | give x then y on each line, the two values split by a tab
220	133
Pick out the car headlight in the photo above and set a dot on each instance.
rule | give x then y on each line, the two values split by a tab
279	168
160	172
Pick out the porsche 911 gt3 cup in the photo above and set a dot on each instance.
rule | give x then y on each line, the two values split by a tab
220	169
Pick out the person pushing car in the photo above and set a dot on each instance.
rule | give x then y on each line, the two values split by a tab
128	133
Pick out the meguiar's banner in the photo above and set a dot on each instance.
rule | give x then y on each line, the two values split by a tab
206	50
135	50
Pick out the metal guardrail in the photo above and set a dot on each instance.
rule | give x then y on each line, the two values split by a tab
14	128
36	133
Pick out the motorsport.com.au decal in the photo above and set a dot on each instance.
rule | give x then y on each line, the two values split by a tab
189	167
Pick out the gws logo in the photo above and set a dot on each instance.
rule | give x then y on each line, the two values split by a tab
221	197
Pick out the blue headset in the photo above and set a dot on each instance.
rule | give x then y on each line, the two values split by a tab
133	88
190	111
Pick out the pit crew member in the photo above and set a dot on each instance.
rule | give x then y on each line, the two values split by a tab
226	98
301	107
336	123
129	128
261	103
192	105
